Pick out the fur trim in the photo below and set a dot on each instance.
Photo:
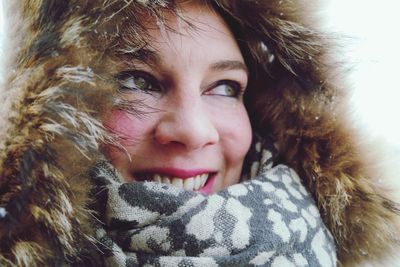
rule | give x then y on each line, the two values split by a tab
60	82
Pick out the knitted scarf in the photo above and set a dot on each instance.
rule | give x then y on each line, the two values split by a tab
268	220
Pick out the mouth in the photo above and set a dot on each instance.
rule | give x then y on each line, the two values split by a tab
201	181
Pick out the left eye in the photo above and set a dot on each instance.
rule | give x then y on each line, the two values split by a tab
225	88
138	81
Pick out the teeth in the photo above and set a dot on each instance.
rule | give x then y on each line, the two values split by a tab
177	182
203	179
166	180
197	182
157	178
190	184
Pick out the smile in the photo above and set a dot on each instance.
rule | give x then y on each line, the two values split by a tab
189	183
193	180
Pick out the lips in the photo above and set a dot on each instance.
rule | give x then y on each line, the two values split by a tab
191	180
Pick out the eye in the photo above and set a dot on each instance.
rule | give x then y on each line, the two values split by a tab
226	88
138	81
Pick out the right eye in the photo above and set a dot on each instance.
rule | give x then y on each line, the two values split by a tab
138	81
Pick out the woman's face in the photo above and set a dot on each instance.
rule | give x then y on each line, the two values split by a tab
197	131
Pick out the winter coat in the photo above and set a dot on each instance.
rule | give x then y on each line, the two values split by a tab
58	84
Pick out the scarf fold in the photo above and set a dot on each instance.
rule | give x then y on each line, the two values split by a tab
269	220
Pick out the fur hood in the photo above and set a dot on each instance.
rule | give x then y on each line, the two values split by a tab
58	84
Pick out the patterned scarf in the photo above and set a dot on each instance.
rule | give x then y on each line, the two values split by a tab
268	220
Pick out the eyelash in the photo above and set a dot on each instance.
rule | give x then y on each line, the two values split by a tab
236	86
154	86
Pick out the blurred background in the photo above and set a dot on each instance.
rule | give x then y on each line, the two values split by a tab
372	47
371	38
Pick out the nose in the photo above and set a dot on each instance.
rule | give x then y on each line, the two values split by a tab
187	124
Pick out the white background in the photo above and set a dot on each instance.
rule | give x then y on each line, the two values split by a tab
373	50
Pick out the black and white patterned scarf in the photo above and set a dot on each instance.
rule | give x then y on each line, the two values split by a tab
268	220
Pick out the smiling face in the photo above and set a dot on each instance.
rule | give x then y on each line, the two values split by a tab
197	131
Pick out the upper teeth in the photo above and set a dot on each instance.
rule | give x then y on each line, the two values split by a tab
190	184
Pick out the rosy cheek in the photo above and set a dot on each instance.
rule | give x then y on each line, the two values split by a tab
240	134
123	125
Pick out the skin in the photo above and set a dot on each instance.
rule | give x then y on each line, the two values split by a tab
197	119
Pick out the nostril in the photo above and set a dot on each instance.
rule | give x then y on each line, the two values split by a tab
192	134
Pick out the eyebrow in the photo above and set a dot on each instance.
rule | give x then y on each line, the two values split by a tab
229	65
145	56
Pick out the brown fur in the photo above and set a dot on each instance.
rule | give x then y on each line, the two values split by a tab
63	84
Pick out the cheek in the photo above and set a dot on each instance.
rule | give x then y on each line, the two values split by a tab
124	125
236	136
128	129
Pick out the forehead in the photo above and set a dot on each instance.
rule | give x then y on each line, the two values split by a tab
189	25
188	20
136	20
